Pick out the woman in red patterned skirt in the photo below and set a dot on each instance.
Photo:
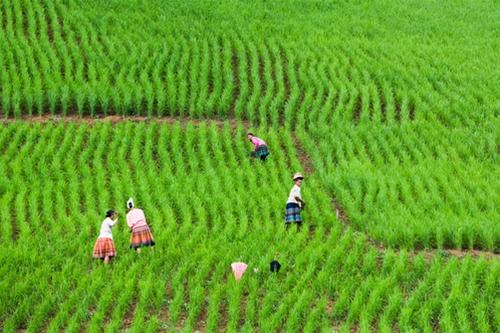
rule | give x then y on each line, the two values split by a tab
104	247
141	235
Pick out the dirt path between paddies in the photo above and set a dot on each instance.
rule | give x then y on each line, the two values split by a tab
302	155
115	119
343	217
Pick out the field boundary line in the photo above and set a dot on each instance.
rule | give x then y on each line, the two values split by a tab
304	159
116	119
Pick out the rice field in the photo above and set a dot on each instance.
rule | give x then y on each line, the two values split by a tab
293	62
205	212
390	109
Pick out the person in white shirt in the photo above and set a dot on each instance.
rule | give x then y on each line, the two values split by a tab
104	247
294	203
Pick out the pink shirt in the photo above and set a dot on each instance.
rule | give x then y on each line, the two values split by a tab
257	142
136	218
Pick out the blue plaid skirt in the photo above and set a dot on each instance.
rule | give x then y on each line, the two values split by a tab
292	213
261	152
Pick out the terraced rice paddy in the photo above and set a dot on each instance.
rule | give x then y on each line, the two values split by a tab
389	108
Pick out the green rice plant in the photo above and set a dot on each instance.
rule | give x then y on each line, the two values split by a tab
266	72
124	301
292	101
199	77
226	81
178	299
195	70
255	68
64	311
213	307
48	305
140	313
88	299
182	75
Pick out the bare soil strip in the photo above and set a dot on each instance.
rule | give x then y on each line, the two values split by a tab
201	322
115	119
128	319
302	155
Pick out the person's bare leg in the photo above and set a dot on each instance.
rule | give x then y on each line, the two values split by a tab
138	250
106	260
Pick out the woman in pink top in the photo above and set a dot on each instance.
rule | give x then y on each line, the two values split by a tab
261	151
141	235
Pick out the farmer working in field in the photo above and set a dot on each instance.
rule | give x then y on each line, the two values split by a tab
261	151
104	247
141	235
294	203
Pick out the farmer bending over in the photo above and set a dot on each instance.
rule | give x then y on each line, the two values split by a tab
261	151
104	247
141	235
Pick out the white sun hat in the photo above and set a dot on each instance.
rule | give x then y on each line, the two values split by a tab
297	175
